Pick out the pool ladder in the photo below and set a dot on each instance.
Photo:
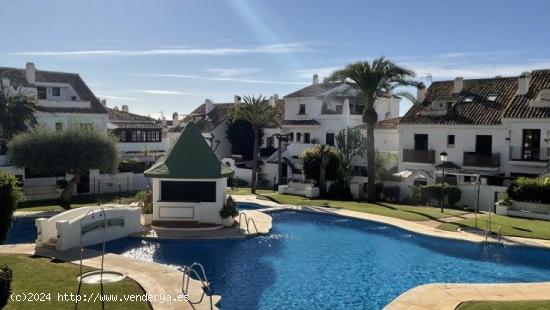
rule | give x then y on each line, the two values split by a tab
200	276
247	220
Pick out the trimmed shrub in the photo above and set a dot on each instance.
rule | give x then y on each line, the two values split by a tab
145	201
131	165
391	193
5	285
229	209
339	190
432	194
10	194
311	161
530	190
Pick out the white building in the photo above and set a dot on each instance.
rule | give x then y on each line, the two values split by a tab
139	137
496	128
316	113
62	99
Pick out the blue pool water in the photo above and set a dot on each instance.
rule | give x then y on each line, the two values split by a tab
249	206
328	262
22	230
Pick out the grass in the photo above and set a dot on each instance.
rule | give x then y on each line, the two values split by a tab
41	275
505	305
405	212
511	226
78	201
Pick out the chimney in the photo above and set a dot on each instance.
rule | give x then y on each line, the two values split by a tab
523	83
30	72
115	108
273	100
237	99
458	85
315	79
125	108
208	106
421	92
104	102
175	119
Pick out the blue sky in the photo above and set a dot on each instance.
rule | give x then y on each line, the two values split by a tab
167	56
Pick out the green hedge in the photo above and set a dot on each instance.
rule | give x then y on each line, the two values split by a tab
430	193
10	194
530	190
311	162
5	285
131	165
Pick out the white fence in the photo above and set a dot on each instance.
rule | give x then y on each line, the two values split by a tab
488	195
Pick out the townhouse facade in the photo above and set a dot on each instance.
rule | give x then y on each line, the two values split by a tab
493	128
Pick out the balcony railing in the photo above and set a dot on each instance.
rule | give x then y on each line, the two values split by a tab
518	153
473	159
419	156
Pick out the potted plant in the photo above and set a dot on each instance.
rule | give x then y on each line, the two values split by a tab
503	205
229	212
145	202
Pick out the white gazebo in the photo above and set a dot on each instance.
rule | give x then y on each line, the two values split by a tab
188	184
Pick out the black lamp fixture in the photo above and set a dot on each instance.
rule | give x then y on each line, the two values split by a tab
443	156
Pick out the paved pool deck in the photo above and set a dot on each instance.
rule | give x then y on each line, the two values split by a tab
155	279
438	296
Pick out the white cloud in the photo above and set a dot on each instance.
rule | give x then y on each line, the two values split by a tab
321	71
231	72
116	97
223	79
292	47
163	92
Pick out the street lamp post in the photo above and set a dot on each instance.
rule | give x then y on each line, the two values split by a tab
280	139
443	156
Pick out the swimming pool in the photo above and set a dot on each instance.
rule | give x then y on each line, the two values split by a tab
328	262
249	206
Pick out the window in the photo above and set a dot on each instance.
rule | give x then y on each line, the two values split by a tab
58	126
291	137
492	98
122	136
531	144
329	139
270	142
188	191
451	140
41	93
421	142
56	91
307	137
302	110
468	99
73	98
298	137
139	136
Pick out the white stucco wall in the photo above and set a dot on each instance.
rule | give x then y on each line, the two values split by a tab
203	212
50	119
465	141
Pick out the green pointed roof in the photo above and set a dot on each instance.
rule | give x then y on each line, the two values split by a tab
190	158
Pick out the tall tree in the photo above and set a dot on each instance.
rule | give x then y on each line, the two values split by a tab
241	136
257	112
381	76
74	150
349	143
16	113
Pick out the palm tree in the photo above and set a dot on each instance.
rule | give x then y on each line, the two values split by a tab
381	76
258	112
16	113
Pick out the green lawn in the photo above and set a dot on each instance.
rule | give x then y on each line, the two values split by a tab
78	201
406	212
505	305
40	275
511	226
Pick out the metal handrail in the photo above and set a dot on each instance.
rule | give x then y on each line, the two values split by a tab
186	279
101	214
253	222
245	220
